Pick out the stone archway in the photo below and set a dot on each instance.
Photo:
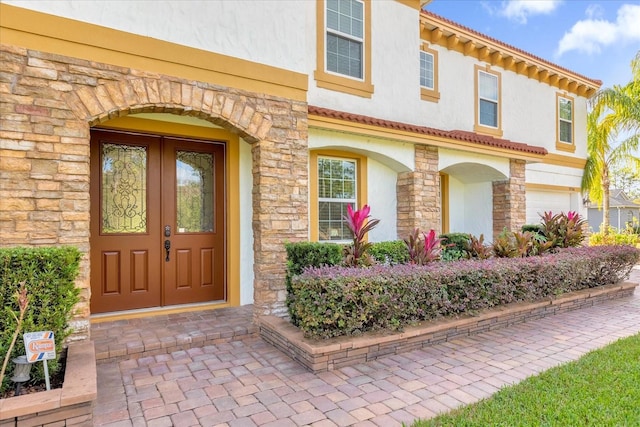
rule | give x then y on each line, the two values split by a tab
47	161
279	157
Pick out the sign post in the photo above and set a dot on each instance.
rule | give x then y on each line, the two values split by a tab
40	346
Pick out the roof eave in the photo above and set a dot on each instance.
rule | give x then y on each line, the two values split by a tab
438	30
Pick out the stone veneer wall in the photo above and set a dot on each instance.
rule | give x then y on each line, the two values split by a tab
418	193
509	200
48	103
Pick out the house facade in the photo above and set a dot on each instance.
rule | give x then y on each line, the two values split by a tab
180	144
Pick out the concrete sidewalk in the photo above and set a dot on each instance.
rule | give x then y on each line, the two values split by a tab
249	383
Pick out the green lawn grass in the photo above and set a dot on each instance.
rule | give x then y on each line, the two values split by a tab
600	389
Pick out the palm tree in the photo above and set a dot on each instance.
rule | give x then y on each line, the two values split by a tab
615	112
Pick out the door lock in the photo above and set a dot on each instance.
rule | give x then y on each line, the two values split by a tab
167	231
167	247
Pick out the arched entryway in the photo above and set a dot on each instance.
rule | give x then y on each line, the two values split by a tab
274	150
468	204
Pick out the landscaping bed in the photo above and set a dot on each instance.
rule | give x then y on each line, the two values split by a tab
72	404
327	302
320	355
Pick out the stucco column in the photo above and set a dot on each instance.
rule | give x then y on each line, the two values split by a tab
418	194
280	205
509	200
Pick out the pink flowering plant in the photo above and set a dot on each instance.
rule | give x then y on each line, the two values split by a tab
423	250
359	224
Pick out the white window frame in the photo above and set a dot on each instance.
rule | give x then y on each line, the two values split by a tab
353	201
352	38
493	101
561	120
425	70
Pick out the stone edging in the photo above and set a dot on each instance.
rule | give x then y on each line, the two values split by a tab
326	355
70	405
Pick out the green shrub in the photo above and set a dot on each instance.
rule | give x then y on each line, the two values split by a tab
301	255
454	246
49	274
614	237
334	301
393	252
533	228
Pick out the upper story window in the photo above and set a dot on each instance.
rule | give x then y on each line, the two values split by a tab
344	46
345	37
426	70
488	99
564	114
429	74
488	114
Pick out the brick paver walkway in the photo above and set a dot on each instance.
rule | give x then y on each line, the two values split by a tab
249	383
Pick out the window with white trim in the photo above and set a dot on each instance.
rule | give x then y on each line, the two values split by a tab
427	75
337	186
565	120
345	37
488	99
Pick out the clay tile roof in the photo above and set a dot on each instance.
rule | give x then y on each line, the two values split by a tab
508	46
458	135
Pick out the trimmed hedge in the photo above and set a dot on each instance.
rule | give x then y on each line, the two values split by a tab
393	252
301	255
334	301
49	274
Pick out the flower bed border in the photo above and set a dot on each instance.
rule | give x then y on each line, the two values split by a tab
67	406
335	353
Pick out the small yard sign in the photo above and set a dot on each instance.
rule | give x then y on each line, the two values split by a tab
39	346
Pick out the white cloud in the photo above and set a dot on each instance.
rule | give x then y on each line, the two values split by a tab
520	10
594	11
591	35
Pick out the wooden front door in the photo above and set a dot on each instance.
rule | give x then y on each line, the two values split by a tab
157	221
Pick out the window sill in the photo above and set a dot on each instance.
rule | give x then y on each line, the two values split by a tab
565	146
488	130
343	84
429	95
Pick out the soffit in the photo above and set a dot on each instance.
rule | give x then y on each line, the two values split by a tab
453	36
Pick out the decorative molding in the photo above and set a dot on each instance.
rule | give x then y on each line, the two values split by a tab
469	42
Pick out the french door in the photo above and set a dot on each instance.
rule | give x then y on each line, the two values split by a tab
157	221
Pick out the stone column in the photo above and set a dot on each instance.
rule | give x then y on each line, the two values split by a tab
509	200
280	203
418	194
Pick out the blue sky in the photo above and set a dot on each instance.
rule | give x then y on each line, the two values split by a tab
597	38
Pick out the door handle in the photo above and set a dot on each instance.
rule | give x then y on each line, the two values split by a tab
167	247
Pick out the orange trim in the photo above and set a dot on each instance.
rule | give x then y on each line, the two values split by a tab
479	127
339	83
362	193
427	94
469	42
444	202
